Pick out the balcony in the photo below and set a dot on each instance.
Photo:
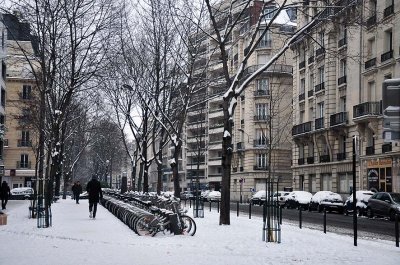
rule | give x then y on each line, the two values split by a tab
310	59
320	52
23	164
319	123
302	64
370	63
371	21
301	128
261	118
319	87
300	161
388	11
310	160
302	96
340	156
367	110
261	93
310	93
275	69
338	119
386	148
257	167
370	150
386	56
342	80
342	42
324	159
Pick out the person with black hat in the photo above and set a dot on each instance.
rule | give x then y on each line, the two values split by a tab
94	190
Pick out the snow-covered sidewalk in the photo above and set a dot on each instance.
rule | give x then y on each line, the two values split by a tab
75	239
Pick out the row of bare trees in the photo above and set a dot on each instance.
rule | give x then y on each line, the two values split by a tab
142	57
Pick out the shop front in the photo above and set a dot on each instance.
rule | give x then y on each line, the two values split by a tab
379	174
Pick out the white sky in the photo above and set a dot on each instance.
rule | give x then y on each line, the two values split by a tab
76	239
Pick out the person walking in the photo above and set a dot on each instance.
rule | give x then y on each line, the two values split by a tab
95	193
5	193
77	190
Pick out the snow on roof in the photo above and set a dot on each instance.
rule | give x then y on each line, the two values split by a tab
281	19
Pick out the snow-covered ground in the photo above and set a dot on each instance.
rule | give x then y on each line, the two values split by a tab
75	239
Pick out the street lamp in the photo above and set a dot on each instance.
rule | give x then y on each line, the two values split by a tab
107	163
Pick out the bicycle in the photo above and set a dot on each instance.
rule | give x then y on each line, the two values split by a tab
161	220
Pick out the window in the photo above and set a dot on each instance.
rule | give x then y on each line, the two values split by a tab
262	160
371	48
311	113
342	32
261	137
261	111
302	85
320	107
311	81
326	182
371	91
24	163
262	84
388	41
321	75
342	104
321	39
25	138
3	97
302	54
302	112
301	151
311	149
372	7
269	12
266	39
342	144
342	67
313	183
26	91
345	182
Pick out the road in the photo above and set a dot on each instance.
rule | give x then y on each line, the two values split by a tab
338	223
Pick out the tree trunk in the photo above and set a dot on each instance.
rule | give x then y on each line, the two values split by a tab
224	218
175	172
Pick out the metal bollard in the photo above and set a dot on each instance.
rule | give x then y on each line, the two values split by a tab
210	206
396	229
190	203
280	215
324	221
217	206
249	210
300	217
185	202
237	208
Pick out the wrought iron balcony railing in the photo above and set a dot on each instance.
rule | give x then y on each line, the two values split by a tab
366	109
338	118
370	63
386	56
302	128
319	123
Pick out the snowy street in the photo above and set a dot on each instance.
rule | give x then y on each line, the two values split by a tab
76	239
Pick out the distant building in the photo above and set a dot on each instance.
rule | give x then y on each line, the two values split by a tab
21	134
3	68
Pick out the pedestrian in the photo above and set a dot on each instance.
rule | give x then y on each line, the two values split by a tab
77	190
4	194
94	190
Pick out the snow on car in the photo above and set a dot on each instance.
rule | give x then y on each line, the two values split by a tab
21	193
258	197
328	200
298	199
214	196
362	197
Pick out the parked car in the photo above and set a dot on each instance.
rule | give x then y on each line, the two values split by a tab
328	200
384	204
298	199
186	195
362	197
281	196
21	193
204	194
258	198
84	195
214	196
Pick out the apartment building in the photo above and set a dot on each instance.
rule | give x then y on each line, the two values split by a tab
339	69
265	102
2	95
20	135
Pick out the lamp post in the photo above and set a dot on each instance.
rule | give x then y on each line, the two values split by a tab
107	164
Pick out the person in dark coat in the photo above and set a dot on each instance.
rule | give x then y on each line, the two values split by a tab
94	190
4	194
77	190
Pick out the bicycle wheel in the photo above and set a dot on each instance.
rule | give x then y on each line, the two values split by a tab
189	225
144	226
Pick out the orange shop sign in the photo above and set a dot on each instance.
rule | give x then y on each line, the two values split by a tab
376	163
